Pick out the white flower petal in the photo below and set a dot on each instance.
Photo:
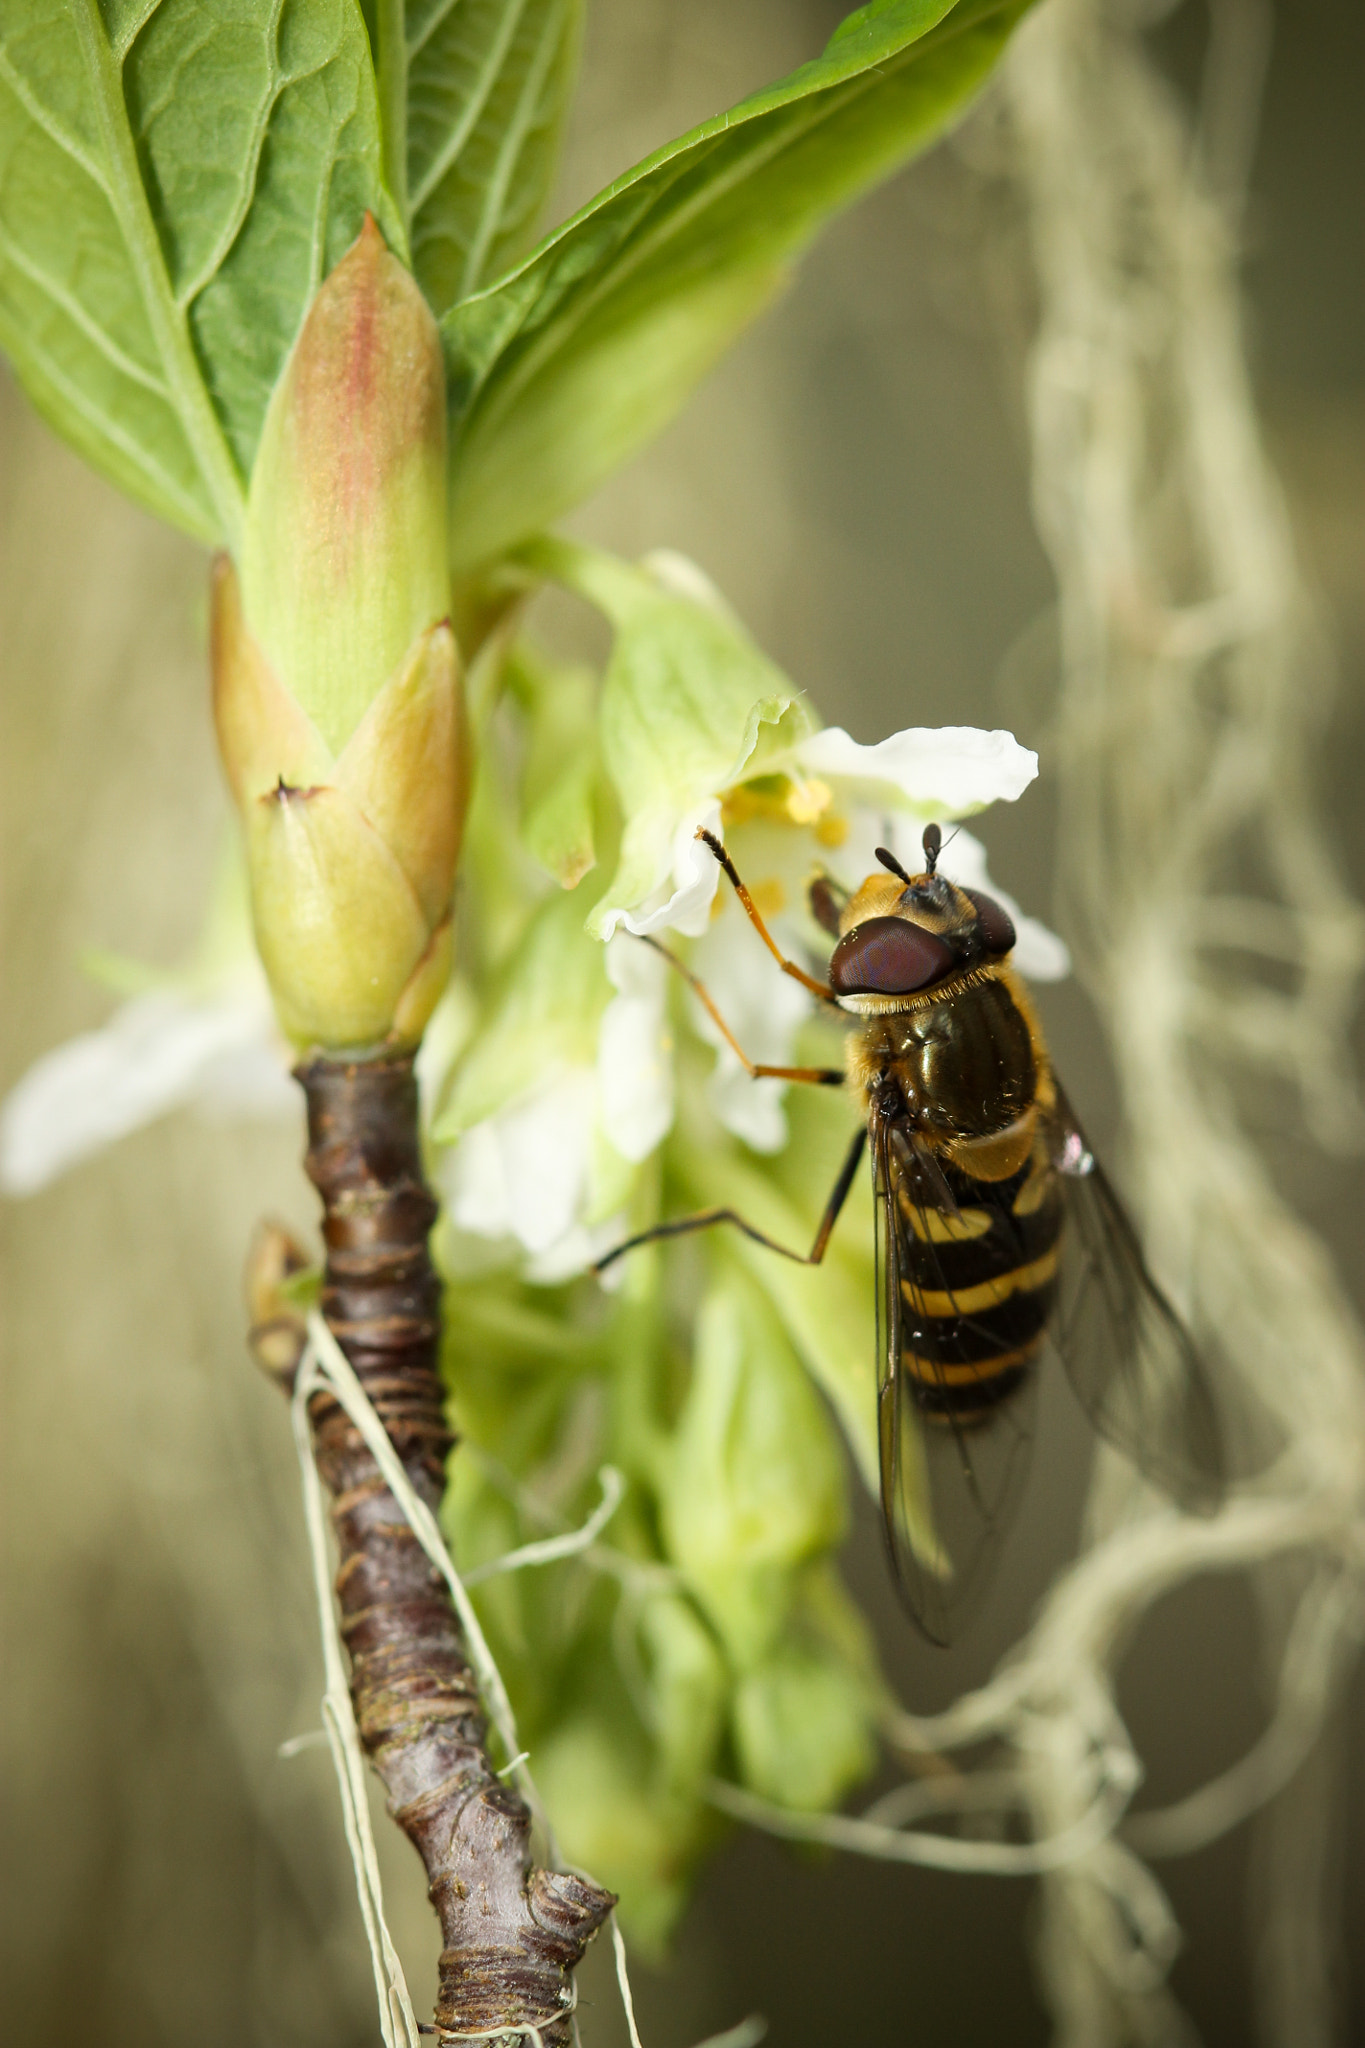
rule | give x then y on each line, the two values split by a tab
574	1253
634	1063
474	1182
524	1172
682	577
949	769
682	901
765	1009
249	1081
751	1109
156	1052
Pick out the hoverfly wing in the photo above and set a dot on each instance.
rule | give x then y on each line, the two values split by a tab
954	1436
1133	1364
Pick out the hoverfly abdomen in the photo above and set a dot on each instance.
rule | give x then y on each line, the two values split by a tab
978	1286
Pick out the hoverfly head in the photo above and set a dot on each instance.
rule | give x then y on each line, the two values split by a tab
900	932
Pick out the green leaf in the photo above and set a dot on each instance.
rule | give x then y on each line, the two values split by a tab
474	93
560	370
176	178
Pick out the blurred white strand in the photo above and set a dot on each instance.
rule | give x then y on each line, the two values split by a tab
551	1549
1190	686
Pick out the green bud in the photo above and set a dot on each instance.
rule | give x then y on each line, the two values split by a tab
344	560
543	1016
754	1486
336	680
612	1820
803	1727
687	1683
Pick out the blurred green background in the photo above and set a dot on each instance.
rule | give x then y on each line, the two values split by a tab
855	478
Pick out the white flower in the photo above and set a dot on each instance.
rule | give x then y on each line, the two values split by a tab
203	1036
548	1174
157	1053
765	1009
1038	952
846	794
634	1054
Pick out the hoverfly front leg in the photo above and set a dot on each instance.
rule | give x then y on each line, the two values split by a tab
683	1226
817	988
817	1077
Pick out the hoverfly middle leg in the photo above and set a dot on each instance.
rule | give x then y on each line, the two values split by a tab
683	1226
816	1077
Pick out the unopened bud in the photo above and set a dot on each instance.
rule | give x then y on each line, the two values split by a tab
336	679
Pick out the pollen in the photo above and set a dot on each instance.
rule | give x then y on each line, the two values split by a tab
808	800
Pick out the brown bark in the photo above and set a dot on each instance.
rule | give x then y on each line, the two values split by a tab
511	1934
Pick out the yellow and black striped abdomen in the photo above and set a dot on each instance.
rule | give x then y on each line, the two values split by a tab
978	1284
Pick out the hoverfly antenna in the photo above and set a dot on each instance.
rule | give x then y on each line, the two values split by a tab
933	843
888	860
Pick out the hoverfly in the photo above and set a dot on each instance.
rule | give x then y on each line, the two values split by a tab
998	1235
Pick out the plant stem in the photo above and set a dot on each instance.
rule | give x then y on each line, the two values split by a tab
511	1933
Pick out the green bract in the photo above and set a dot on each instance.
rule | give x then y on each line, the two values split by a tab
754	1486
689	706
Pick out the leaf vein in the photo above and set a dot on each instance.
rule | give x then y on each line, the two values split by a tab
135	29
111	429
132	209
509	151
436	19
246	190
43	119
641	243
485	79
69	304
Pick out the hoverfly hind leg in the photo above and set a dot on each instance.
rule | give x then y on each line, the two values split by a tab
704	1219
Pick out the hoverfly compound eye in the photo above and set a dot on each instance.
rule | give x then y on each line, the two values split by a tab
994	923
887	956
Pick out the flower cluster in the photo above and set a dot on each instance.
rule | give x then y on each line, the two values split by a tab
576	1092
